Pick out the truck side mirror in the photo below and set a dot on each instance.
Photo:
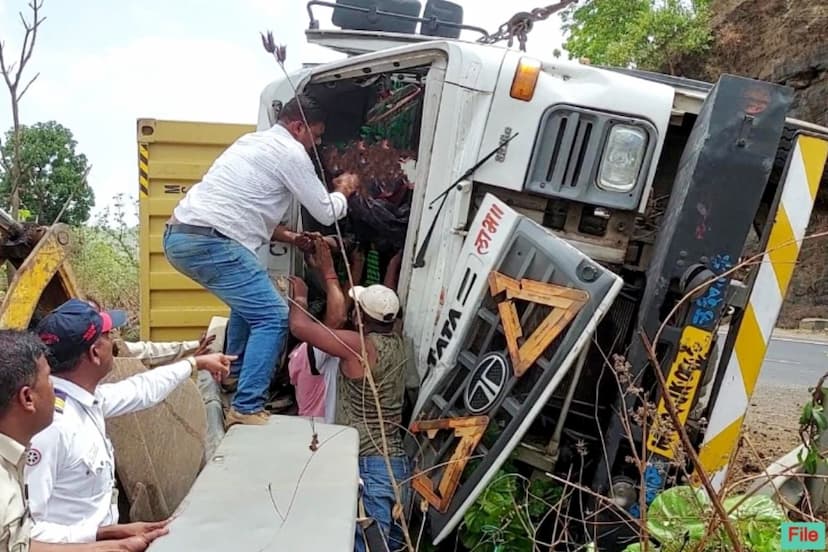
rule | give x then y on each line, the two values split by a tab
442	11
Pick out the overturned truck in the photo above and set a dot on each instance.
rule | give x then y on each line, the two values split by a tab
572	230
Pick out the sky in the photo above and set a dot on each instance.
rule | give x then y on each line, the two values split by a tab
104	64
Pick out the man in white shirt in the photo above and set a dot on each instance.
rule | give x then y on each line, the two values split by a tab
70	467
217	228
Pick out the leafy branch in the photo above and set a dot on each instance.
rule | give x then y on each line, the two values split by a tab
812	423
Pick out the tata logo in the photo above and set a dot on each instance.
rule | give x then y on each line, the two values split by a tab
486	383
446	334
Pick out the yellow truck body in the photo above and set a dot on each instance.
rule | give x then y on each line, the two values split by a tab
172	157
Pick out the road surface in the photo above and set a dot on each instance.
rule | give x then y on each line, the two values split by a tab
794	362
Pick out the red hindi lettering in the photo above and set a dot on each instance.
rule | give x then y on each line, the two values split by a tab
482	242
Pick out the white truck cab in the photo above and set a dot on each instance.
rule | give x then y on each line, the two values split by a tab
560	210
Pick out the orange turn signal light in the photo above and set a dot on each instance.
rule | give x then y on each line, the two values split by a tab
526	78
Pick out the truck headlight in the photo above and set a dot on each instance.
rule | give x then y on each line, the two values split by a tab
622	159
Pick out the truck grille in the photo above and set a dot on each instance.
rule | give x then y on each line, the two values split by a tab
572	134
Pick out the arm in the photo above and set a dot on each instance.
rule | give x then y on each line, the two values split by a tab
137	543
155	354
284	234
339	343
143	390
40	480
147	389
300	178
357	267
322	261
335	307
392	272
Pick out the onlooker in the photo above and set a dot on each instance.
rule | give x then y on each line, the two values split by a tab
71	466
154	353
218	227
387	359
27	402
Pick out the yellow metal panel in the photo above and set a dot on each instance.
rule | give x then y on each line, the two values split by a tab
682	384
33	277
172	157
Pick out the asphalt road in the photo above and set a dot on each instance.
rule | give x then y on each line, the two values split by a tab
794	362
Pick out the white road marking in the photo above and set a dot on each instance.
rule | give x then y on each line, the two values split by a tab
796	340
781	361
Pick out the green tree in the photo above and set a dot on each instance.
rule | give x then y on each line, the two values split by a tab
646	34
53	174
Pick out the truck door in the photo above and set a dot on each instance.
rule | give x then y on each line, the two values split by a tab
521	307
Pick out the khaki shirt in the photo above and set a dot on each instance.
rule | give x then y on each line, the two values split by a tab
156	354
15	522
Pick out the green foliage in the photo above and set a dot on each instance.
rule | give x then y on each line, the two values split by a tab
812	424
508	512
105	260
52	172
678	518
646	34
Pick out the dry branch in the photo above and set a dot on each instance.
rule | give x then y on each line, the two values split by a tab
12	75
688	446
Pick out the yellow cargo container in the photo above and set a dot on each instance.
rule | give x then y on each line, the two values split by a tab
172	156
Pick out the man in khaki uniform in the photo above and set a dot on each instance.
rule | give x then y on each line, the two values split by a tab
27	403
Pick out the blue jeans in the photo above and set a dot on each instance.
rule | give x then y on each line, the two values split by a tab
258	324
378	497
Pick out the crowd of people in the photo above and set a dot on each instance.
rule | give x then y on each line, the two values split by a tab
58	480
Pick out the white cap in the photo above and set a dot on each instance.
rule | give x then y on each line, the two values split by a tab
377	301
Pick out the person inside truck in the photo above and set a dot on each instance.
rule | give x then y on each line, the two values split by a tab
378	211
27	401
387	359
70	470
218	227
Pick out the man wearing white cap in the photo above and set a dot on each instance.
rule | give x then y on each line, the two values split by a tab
386	354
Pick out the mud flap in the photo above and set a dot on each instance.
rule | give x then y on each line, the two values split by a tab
521	307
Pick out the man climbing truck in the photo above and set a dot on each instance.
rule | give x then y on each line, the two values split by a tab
572	248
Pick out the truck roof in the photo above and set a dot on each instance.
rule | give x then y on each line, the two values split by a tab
684	85
357	43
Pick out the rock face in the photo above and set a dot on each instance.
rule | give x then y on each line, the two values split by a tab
783	41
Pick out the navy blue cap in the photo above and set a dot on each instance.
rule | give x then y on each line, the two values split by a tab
73	327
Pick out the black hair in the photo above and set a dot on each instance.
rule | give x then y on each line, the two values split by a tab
314	113
65	365
18	363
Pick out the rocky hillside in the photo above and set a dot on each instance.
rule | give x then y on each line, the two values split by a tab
784	41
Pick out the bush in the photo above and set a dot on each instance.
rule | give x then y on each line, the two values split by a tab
105	261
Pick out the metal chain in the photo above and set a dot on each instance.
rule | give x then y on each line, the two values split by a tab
519	25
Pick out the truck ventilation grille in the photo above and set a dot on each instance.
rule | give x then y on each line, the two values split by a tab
572	133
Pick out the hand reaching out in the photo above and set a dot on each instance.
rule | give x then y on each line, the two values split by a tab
217	364
321	259
204	343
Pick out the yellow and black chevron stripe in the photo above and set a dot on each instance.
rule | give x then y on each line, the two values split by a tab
143	169
801	182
